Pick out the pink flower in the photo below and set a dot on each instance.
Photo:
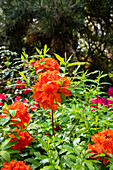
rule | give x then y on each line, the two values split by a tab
34	106
1	103
20	85
25	101
2	96
23	85
104	101
32	63
110	92
110	103
26	63
94	103
17	98
27	91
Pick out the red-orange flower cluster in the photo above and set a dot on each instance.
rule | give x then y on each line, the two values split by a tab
103	144
21	113
15	165
48	88
24	140
45	64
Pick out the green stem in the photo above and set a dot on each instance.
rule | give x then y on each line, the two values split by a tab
53	125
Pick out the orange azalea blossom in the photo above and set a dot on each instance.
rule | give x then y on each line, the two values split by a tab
21	113
103	144
25	139
48	88
45	64
16	165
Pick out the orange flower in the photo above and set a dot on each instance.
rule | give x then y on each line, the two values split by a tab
48	88
45	64
25	139
21	113
103	144
15	165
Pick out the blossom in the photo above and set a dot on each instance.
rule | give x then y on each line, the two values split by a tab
15	165
21	113
48	88
103	144
96	100
25	101
110	103
34	106
27	91
32	63
1	103
46	64
2	96
24	140
110	91
20	84
17	98
26	63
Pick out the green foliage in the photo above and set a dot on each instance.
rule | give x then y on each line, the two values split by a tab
70	26
75	121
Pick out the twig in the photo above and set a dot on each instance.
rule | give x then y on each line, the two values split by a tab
53	125
72	128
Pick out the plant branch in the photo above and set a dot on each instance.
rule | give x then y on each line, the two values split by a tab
53	125
72	128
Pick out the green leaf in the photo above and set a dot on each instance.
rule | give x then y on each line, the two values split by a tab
33	161
76	141
45	49
111	167
71	89
58	167
54	81
39	52
5	155
22	58
5	143
6	106
12	112
54	155
48	168
78	167
11	151
17	136
76	64
10	144
89	164
72	156
22	74
4	120
63	98
60	59
99	155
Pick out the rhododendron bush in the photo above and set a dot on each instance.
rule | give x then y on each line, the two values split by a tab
54	120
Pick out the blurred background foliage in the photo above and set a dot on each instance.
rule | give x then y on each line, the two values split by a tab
81	28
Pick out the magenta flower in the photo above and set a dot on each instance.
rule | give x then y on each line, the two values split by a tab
1	103
110	103
17	98
2	96
27	91
110	92
96	100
